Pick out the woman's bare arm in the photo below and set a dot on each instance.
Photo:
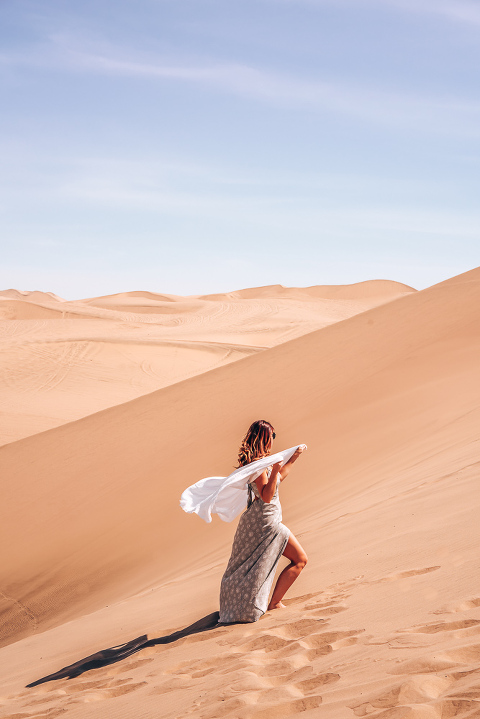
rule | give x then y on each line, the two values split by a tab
288	465
267	485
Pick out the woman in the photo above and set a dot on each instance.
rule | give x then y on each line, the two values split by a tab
261	538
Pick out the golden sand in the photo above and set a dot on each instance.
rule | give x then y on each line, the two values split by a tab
383	385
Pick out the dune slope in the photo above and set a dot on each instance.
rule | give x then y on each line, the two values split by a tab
416	345
383	622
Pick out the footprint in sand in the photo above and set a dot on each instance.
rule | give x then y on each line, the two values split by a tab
458	707
421	697
416	690
457	607
296	629
469	654
334	640
172	685
442	627
277	705
198	668
326	609
111	692
72	692
267	642
299	600
48	714
395	577
442	685
286	709
305	679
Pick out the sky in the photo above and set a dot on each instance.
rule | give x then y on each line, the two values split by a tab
200	146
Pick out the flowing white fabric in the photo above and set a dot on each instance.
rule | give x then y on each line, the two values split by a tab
227	496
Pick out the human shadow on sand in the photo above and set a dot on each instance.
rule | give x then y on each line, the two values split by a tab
116	654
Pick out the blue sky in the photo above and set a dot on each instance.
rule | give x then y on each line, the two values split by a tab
194	146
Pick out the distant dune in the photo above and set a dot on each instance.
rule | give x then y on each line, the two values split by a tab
63	360
383	622
133	299
34	296
357	291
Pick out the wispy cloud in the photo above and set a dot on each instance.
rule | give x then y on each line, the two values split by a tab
413	111
373	104
459	10
466	11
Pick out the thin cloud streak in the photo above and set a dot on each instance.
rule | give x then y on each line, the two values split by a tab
464	11
418	113
444	114
457	10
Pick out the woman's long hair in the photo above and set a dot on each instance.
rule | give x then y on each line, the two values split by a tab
256	443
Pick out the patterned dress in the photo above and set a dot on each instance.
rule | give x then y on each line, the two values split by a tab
258	544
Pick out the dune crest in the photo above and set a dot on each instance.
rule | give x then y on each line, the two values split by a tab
356	291
62	360
31	296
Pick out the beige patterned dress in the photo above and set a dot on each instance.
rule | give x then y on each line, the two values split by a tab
258	544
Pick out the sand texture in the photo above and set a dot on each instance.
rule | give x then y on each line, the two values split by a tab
384	621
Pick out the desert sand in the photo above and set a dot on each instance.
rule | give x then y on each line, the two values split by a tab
62	360
385	619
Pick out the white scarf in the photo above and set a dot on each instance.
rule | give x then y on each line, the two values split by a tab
227	496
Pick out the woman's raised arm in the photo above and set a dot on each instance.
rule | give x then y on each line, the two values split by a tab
267	485
288	465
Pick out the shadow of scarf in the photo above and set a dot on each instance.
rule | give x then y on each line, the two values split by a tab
122	651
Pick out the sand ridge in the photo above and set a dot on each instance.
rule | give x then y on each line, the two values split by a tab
385	619
61	360
357	291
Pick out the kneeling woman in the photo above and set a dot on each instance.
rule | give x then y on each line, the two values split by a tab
261	538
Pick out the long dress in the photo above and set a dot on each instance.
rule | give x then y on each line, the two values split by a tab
258	544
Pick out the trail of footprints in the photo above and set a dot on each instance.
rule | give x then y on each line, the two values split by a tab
270	673
277	669
438	685
264	670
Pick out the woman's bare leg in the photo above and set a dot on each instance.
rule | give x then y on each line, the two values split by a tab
298	559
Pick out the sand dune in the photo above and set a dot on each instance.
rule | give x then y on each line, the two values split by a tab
31	296
126	297
56	371
385	619
64	360
357	291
